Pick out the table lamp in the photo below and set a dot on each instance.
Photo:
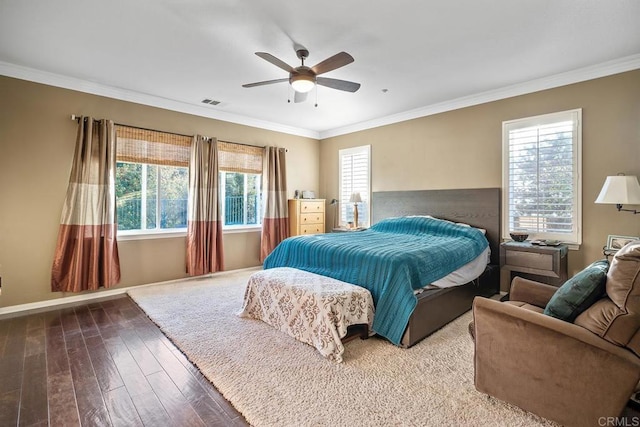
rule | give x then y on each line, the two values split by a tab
355	199
334	203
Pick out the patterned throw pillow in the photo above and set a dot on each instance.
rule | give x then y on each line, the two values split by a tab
579	293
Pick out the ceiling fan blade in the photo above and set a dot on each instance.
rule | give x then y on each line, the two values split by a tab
275	61
266	82
336	61
338	84
300	97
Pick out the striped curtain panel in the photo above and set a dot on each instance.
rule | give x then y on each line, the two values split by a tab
86	255
204	224
275	224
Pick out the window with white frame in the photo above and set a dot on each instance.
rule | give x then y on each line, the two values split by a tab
152	180
240	183
542	176
355	177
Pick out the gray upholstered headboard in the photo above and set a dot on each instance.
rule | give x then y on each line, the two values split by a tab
477	207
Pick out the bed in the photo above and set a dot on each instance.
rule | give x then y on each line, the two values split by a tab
390	258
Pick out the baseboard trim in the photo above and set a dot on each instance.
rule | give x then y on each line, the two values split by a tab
32	307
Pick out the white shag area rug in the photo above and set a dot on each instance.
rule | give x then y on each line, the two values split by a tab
274	380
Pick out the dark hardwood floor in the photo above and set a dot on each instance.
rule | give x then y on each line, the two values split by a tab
107	364
101	364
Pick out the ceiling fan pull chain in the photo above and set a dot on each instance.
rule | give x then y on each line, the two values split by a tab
316	96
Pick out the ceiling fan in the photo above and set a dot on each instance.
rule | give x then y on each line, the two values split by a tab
303	78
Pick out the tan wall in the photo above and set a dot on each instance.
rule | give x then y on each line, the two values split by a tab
462	149
457	149
37	138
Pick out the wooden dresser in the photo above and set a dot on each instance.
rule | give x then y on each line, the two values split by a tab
306	216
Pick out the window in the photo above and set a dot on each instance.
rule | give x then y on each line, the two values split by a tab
240	194
354	172
541	176
152	180
240	181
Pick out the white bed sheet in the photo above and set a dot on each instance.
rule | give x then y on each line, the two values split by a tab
464	274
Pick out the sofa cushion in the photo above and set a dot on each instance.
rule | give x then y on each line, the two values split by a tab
526	306
579	293
616	317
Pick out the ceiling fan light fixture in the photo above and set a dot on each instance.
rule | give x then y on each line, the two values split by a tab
302	83
303	79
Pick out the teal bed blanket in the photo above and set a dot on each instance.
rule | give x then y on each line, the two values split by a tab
391	259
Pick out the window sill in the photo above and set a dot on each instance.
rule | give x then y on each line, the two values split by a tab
145	235
170	234
242	229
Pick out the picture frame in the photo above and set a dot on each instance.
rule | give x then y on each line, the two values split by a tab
617	242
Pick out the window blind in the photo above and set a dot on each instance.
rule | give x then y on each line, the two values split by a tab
542	184
354	178
152	147
239	158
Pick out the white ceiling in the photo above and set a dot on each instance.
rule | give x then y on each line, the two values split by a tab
429	55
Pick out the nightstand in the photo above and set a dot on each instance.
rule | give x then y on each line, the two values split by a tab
546	264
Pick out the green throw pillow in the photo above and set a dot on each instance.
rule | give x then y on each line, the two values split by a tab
579	293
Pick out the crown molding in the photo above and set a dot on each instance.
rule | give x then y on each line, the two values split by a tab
58	80
604	69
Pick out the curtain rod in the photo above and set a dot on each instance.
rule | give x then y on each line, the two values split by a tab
76	117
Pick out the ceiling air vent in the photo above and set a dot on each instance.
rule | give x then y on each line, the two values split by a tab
210	101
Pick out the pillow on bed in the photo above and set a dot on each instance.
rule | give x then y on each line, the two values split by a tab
457	223
467	225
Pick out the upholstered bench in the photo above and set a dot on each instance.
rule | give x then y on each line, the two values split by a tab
314	309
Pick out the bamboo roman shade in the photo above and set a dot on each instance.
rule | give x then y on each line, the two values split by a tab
152	147
239	158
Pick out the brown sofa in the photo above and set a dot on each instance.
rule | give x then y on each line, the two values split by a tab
572	373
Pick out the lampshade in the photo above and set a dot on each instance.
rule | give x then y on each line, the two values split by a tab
355	198
302	83
620	190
